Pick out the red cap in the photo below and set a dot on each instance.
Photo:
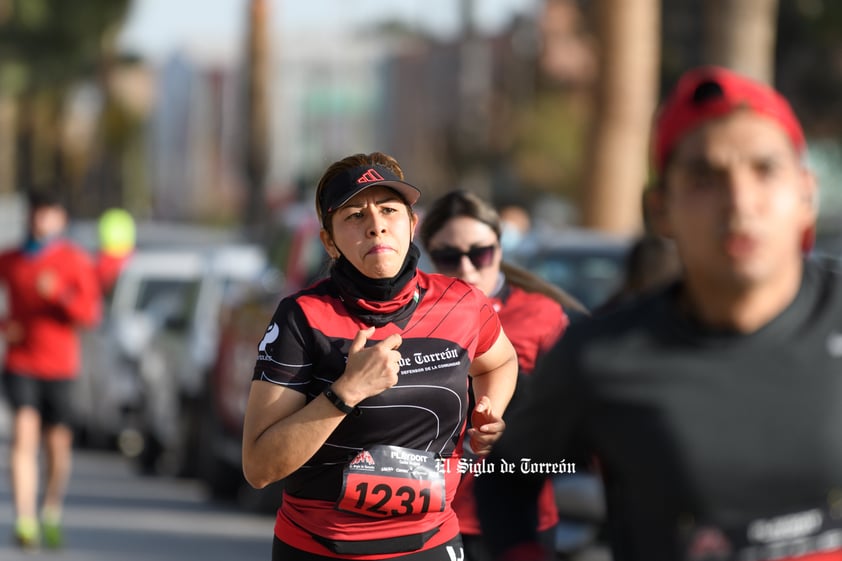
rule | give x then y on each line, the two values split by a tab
709	92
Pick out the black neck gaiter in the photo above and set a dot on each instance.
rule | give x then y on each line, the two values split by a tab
378	301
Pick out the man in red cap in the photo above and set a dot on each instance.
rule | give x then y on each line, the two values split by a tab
712	406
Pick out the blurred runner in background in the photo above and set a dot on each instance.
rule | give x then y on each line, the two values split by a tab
462	235
651	264
53	290
116	230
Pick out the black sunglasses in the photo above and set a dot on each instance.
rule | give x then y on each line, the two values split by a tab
449	258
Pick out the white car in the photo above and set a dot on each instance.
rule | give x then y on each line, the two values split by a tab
176	361
156	288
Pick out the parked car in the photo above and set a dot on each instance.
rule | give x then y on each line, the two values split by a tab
586	263
223	406
155	287
175	366
299	256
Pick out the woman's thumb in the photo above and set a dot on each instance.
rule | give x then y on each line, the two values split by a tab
482	412
360	339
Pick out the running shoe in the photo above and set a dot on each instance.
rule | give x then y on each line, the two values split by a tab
52	534
27	535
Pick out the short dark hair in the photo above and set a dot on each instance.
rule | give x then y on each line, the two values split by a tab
42	197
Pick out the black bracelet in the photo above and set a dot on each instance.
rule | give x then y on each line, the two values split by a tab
339	404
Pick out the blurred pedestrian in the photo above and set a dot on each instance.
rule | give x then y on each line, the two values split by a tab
651	264
515	225
462	235
360	390
712	405
52	291
116	232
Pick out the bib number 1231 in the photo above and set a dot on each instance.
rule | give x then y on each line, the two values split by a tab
389	481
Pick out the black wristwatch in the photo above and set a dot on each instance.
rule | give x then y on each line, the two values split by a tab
339	404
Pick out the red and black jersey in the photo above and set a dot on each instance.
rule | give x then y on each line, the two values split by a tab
533	322
50	345
305	349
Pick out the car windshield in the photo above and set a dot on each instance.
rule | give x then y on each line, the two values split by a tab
168	300
591	276
587	264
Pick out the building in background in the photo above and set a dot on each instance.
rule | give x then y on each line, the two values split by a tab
450	109
327	101
324	102
192	141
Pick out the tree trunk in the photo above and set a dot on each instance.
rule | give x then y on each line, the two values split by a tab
8	143
628	35
38	154
257	115
740	35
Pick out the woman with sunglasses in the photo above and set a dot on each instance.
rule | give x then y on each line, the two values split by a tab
461	234
360	391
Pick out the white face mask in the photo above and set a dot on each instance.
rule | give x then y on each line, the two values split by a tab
510	236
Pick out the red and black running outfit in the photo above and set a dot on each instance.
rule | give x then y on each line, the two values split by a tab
40	367
305	349
49	349
533	323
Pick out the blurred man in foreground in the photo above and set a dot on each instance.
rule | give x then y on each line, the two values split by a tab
52	289
712	406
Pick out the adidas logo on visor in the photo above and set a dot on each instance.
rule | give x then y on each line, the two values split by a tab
370	176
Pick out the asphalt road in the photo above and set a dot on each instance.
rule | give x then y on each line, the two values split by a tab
114	514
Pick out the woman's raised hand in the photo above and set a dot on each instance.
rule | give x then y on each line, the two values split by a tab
370	370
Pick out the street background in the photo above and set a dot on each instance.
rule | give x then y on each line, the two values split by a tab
114	514
210	121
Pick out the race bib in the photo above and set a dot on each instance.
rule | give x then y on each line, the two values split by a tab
387	481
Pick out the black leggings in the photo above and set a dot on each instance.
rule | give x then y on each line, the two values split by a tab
449	551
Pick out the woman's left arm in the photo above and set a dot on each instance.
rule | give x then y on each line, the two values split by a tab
494	375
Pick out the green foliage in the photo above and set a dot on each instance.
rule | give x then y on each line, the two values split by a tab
56	41
823	18
549	150
807	54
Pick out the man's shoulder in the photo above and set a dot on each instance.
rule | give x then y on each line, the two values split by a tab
829	270
631	314
823	280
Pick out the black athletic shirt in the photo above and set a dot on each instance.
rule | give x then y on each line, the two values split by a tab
712	445
305	349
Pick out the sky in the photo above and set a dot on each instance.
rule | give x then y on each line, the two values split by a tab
156	28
